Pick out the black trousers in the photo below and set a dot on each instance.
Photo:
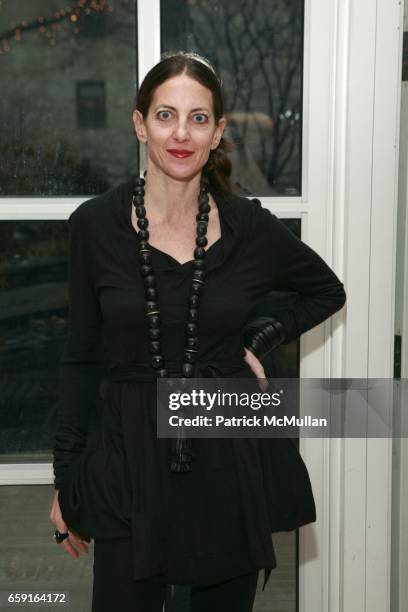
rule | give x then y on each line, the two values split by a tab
115	590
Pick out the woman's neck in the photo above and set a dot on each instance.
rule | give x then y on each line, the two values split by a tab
169	199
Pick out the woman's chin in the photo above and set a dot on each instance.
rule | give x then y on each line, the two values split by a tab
182	174
178	170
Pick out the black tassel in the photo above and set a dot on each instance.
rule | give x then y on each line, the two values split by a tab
182	455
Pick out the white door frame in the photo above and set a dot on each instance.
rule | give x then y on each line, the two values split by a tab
352	67
353	105
400	447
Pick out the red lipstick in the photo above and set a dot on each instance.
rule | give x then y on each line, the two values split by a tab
180	153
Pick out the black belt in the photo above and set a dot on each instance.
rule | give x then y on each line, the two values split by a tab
143	372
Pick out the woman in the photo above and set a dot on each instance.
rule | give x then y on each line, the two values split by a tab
163	274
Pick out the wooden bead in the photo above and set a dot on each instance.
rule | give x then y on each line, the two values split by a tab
204	207
193	315
201	228
142	223
157	361
145	258
203	199
187	369
201	241
192	342
151	293
196	288
198	275
191	329
189	357
140	210
199	253
146	270
154	321
155	347
150	280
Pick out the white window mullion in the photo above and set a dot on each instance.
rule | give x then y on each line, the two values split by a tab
148	35
26	474
34	209
149	48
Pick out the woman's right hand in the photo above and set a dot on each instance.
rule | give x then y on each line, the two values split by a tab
74	540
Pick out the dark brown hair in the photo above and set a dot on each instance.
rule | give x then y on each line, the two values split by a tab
217	170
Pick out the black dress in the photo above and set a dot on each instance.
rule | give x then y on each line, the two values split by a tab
215	522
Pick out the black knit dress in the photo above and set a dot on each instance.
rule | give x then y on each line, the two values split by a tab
216	521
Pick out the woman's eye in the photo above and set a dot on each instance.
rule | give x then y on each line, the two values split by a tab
164	114
200	118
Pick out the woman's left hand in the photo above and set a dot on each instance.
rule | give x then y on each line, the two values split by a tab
257	368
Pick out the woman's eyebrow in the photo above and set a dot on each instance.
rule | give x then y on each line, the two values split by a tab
193	110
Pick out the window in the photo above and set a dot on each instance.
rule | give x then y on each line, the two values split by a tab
47	146
257	49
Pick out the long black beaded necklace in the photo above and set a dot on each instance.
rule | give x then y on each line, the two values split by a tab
182	451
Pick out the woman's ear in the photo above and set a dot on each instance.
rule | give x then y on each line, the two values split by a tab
219	130
139	124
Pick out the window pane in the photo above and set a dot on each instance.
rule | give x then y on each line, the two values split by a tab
68	79
257	49
33	320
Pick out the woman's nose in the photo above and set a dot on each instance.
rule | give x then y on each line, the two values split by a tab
181	131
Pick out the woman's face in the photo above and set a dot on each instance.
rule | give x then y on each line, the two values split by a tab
180	128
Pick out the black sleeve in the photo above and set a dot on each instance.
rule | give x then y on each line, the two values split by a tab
295	267
80	364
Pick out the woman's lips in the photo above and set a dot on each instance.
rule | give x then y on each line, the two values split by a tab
180	153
